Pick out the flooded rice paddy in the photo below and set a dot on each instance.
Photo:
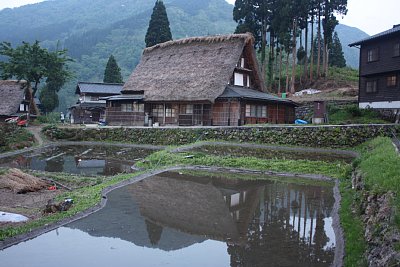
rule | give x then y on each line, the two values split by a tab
192	219
79	159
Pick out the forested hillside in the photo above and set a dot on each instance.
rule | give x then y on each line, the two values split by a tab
93	30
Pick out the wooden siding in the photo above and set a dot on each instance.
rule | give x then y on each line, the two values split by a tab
386	62
383	92
116	117
226	113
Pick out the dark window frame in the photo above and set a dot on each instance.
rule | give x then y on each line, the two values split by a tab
372	90
256	111
391	81
373	55
396	49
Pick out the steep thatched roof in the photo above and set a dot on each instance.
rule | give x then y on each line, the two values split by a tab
191	69
12	94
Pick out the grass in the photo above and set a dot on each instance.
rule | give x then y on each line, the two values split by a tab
52	118
165	158
14	137
351	114
380	166
352	227
346	74
84	198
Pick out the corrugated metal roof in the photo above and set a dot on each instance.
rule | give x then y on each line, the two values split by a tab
395	29
99	88
240	92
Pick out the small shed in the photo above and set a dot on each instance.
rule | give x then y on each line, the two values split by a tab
320	113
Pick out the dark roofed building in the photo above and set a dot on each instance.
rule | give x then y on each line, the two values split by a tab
16	99
91	106
379	85
212	80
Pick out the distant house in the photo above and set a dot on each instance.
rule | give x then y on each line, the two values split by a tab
90	107
379	85
16	99
211	80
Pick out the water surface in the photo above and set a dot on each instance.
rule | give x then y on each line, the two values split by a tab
175	219
79	159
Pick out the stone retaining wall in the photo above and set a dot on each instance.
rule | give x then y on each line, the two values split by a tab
306	110
380	230
311	136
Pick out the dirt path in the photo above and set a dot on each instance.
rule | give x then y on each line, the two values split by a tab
37	133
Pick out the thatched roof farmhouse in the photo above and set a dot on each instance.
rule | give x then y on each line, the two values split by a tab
213	80
16	99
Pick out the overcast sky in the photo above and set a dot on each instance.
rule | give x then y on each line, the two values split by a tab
371	16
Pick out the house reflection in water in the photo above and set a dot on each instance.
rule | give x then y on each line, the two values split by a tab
263	223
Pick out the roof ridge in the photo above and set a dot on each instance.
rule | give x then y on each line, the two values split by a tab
100	83
248	37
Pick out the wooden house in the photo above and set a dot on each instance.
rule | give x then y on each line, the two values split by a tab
379	85
212	80
91	106
16	99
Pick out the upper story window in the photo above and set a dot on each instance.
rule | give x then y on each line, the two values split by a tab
391	81
396	49
373	55
240	63
94	98
241	79
371	86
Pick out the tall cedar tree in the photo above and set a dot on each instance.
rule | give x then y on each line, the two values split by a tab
336	57
158	30
112	73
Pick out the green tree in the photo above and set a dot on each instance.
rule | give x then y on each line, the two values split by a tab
158	30
336	56
35	65
48	98
112	73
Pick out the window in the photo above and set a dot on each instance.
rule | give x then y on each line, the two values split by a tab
371	86
138	107
94	98
126	107
170	112
391	81
22	107
240	63
186	109
132	107
396	50
239	78
158	110
259	111
372	55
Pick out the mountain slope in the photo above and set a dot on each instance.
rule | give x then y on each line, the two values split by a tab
92	30
348	35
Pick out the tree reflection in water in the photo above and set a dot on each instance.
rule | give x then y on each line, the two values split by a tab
287	229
